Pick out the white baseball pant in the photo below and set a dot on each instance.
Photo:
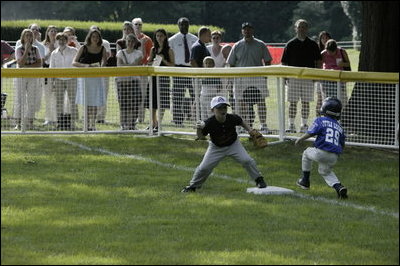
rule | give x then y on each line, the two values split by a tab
326	160
215	154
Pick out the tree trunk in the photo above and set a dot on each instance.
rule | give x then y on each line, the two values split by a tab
380	37
370	111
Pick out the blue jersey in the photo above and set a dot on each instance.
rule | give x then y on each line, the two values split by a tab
329	134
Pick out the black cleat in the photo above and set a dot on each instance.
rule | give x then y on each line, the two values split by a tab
342	192
260	182
188	189
303	184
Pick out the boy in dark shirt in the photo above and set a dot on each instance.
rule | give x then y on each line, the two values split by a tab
224	142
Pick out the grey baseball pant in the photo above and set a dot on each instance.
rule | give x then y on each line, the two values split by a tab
215	154
326	160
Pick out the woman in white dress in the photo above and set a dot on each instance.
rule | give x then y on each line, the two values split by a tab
91	91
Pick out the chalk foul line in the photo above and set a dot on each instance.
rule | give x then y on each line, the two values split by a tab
226	177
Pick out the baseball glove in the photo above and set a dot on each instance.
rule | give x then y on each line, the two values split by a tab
258	139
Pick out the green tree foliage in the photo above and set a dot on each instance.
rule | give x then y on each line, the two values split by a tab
273	20
111	31
325	15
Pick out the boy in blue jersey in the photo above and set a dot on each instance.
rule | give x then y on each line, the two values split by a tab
328	145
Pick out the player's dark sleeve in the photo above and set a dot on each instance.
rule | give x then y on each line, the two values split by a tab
318	55
284	59
237	120
206	128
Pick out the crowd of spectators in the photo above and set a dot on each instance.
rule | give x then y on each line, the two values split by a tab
63	95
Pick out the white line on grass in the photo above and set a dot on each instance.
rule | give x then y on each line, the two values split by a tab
346	204
239	180
148	160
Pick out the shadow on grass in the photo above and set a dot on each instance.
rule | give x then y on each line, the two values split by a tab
78	207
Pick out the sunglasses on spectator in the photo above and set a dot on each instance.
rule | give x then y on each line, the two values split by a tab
138	24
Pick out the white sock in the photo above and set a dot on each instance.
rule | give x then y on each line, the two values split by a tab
291	121
304	121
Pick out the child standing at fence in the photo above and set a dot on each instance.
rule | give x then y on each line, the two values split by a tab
329	144
210	87
128	88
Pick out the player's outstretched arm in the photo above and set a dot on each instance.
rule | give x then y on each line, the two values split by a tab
246	126
199	130
302	138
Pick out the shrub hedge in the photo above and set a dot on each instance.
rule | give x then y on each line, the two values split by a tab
111	31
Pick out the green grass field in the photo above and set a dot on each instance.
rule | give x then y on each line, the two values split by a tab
115	199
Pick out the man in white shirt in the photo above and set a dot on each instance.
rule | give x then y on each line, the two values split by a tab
62	57
181	43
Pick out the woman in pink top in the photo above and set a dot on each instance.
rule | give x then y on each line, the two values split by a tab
336	58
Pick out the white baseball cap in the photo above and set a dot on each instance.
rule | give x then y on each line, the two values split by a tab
218	101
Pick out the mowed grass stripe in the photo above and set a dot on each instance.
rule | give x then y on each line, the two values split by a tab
226	177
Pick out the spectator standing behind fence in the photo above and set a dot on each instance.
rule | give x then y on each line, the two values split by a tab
210	87
146	45
42	50
50	45
336	58
300	51
161	55
128	88
91	91
225	51
102	111
199	50
250	52
72	42
35	28
7	53
219	54
323	37
63	57
181	43
127	28
215	49
28	56
145	41
72	39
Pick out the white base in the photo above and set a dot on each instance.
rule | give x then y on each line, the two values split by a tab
270	190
